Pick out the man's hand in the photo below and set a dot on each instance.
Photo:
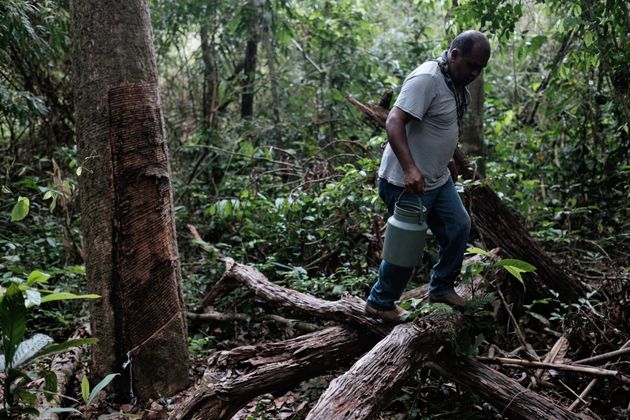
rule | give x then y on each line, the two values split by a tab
414	180
453	169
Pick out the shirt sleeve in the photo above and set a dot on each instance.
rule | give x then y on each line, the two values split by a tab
416	95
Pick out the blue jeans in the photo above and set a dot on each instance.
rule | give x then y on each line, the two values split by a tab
448	220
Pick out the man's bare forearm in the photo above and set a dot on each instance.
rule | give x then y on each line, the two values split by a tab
397	138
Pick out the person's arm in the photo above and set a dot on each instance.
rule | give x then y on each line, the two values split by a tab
397	138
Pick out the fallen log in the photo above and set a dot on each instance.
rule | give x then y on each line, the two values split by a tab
63	365
235	377
349	309
500	227
371	382
227	317
504	393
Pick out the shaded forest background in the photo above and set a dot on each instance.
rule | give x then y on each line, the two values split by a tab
276	169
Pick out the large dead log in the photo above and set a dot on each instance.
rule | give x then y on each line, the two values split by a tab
499	227
235	377
504	393
372	382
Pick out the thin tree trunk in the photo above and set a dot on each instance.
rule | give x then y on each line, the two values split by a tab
273	79
472	126
249	69
131	255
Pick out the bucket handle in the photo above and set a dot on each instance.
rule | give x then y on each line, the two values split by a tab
422	208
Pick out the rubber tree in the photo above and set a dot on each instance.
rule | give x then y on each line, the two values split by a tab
128	228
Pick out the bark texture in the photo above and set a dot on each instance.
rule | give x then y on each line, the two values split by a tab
126	204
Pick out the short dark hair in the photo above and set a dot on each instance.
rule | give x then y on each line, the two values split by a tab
465	42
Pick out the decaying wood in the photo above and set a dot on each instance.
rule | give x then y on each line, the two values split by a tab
507	395
226	317
235	377
499	227
349	309
373	380
63	365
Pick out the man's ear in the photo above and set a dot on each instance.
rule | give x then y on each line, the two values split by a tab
454	54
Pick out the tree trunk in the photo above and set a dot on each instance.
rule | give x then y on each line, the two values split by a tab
267	40
234	377
472	126
131	255
498	226
210	77
249	69
349	309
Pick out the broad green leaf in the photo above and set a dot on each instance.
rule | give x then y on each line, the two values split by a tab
12	321
66	296
522	266
37	276
20	209
101	385
56	348
516	273
475	250
26	396
85	388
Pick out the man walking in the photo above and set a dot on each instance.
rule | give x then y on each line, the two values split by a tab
423	128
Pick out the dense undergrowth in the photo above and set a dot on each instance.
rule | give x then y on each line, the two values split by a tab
295	195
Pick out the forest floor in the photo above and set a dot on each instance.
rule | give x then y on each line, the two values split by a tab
597	324
594	325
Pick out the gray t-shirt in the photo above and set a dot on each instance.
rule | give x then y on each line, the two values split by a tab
432	135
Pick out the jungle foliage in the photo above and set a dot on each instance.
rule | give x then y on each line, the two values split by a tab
291	188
